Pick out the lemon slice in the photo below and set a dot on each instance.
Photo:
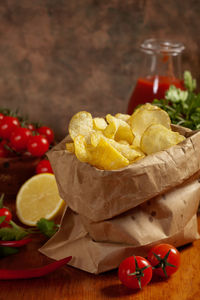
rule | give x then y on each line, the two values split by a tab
38	198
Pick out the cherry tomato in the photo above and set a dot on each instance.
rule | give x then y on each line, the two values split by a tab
165	259
5	212
37	145
47	132
7	125
135	272
44	166
1	117
19	138
31	127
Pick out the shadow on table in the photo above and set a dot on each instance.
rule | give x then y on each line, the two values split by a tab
116	290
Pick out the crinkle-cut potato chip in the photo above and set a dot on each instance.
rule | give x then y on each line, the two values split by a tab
157	137
123	117
106	157
70	147
99	123
118	129
81	124
81	149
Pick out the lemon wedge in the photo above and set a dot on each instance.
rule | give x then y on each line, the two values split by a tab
38	198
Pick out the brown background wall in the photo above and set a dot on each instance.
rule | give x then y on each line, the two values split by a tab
61	56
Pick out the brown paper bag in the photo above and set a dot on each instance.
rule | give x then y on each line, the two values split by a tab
114	214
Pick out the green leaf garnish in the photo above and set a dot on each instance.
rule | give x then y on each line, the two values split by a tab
2	219
47	227
5	251
189	82
183	107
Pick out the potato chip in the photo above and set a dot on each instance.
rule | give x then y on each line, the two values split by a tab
70	147
123	142
81	124
144	116
123	117
81	150
118	130
157	137
99	123
106	157
95	138
126	150
122	139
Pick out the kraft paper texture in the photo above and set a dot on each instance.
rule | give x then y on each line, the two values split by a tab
114	214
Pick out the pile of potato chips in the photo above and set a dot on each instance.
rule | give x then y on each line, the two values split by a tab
117	141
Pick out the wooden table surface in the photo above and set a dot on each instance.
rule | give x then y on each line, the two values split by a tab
71	283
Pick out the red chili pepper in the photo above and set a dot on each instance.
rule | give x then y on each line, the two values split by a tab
34	272
19	243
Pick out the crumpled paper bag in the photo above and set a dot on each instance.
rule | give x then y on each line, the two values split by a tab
115	214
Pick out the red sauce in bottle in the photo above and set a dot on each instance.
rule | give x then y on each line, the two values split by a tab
148	89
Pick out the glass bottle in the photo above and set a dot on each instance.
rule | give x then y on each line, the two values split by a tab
161	67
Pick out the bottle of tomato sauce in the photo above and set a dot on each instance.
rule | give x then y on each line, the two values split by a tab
160	68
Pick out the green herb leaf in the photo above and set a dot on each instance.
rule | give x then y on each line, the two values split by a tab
12	234
189	82
183	107
176	95
47	227
1	201
2	219
5	251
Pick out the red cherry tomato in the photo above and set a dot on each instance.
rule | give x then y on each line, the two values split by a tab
44	166
37	145
135	272
7	125
1	117
165	259
19	138
5	212
31	127
47	132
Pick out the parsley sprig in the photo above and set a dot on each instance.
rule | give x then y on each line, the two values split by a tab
183	106
16	232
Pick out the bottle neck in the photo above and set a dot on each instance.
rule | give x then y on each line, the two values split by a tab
162	58
161	64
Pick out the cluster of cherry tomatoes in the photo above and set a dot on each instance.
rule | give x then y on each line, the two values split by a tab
135	271
23	138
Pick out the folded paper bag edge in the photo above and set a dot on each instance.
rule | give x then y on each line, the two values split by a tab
98	257
101	195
